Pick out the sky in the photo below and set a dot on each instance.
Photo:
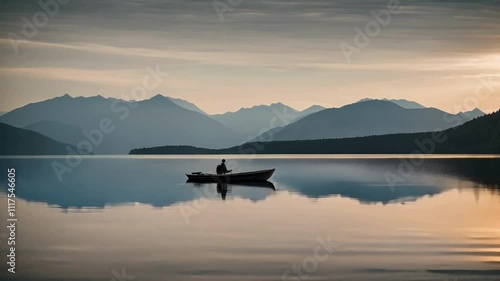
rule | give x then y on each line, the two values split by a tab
226	54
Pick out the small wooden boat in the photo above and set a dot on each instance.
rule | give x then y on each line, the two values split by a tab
254	176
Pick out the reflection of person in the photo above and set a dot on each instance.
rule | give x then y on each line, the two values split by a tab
222	190
221	169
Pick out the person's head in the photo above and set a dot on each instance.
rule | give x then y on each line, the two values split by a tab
223	160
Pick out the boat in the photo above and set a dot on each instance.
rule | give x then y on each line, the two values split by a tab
255	176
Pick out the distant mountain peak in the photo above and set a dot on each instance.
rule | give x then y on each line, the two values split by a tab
365	99
316	106
277	104
408	104
187	105
66	96
312	109
159	100
158	97
257	107
372	103
476	112
253	120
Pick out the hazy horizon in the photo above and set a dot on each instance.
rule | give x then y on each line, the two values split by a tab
433	52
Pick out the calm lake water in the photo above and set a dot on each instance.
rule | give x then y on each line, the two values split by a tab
135	218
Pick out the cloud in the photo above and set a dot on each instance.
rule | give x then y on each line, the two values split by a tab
273	46
116	77
474	76
290	60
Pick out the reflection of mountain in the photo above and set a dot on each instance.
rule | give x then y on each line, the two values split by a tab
100	182
360	179
161	182
365	193
92	184
255	191
480	171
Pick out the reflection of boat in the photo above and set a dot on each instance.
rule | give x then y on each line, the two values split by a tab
224	188
256	176
263	184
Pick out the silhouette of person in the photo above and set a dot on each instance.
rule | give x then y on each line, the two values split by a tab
222	190
222	169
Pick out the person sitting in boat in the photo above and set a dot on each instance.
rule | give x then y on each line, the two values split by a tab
221	168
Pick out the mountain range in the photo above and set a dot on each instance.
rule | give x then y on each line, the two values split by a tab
401	102
156	121
365	118
61	132
254	121
16	141
481	136
162	120
187	105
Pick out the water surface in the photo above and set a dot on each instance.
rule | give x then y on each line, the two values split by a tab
382	219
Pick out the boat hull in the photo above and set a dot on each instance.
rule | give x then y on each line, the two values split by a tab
258	184
256	176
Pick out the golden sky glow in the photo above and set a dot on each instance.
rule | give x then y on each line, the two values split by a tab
436	53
